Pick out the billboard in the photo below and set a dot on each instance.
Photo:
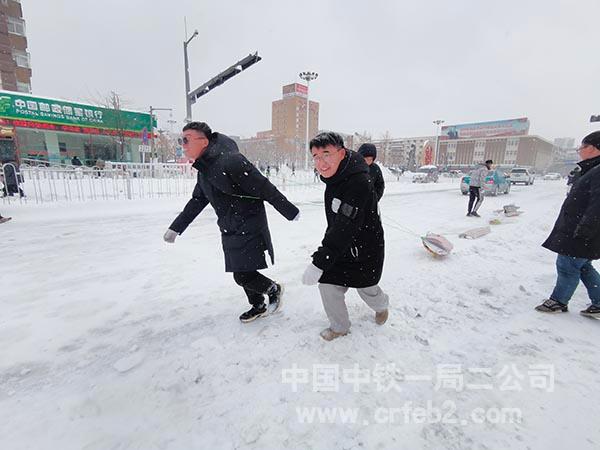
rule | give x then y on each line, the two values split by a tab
295	89
497	128
428	154
25	110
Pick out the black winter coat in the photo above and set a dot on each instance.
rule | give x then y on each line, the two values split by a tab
576	232
377	179
236	190
352	250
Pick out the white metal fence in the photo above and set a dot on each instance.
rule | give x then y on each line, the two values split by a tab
41	183
44	182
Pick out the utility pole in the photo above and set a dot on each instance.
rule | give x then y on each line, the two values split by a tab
308	77
188	104
438	122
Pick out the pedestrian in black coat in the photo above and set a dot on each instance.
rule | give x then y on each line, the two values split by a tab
576	234
352	251
369	152
236	190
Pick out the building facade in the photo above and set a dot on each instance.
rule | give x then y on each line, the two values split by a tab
399	152
285	142
15	64
509	151
506	142
56	130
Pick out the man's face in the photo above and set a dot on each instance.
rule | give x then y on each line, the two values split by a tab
489	166
369	160
327	159
587	151
194	143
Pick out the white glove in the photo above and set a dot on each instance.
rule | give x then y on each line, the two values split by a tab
311	275
297	218
170	236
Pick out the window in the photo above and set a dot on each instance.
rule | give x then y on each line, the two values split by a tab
479	151
16	26
21	58
24	87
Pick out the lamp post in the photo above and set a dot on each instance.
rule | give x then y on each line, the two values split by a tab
188	103
308	77
438	123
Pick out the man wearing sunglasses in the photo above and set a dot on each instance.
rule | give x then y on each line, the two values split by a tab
576	235
236	190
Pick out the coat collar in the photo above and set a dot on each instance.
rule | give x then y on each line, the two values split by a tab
210	155
588	164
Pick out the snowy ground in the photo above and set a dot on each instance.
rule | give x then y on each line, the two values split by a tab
112	339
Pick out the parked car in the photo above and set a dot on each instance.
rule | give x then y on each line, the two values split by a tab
552	176
426	174
497	182
522	175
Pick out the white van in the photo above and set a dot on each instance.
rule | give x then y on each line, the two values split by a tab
521	175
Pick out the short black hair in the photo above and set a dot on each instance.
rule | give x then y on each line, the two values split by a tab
202	127
489	161
326	138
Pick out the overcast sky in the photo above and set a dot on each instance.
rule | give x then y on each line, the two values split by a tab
383	65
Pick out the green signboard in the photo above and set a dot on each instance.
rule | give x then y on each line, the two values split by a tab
16	106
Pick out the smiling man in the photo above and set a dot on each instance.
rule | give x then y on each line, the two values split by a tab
236	190
352	251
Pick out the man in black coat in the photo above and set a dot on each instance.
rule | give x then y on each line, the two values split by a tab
352	251
576	235
236	190
369	152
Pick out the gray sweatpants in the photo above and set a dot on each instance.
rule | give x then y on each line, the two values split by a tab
335	305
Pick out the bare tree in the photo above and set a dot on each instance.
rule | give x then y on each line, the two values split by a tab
165	146
361	138
116	102
386	141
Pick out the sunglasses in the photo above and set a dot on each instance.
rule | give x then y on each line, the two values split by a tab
185	141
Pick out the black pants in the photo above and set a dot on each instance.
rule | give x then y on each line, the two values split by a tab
13	189
475	197
255	285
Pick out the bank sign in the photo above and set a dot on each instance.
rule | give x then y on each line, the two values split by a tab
498	128
28	109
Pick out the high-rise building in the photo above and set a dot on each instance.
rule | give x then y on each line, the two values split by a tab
15	66
286	140
289	114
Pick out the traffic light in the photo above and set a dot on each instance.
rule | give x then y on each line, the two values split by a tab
595	118
228	73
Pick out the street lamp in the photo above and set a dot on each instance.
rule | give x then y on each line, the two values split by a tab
438	123
188	104
308	77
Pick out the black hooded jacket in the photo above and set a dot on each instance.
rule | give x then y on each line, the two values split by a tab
377	180
576	232
352	251
236	190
